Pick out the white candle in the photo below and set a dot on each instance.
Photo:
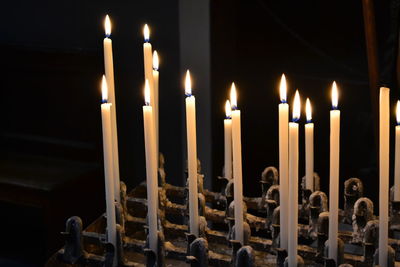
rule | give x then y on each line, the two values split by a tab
228	141
283	164
384	123
397	156
334	175
156	76
293	180
151	168
192	156
309	140
237	166
109	69
108	165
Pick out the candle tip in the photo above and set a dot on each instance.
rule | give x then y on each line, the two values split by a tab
335	96
233	97
104	90
283	89
146	33
228	110
308	110
147	93
107	26
188	84
155	60
296	106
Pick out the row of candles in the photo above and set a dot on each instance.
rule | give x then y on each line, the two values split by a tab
288	155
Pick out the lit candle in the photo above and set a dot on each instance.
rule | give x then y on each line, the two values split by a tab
109	69
283	164
237	166
108	164
192	156
151	168
148	63
293	180
156	102
228	140
309	140
397	156
334	175
384	124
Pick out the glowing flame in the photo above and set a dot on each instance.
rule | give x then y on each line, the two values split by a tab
398	112
104	89
282	89
308	110
188	84
335	96
155	60
107	26
146	33
296	106
228	109
233	97
147	93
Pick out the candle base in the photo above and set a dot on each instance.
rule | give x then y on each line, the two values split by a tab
300	262
340	251
154	258
390	258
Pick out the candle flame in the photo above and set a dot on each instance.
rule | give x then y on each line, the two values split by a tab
155	60
283	89
188	84
296	106
107	26
233	97
335	96
147	93
308	110
104	89
228	109
146	33
398	112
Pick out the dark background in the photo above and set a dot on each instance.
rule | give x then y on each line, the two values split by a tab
52	62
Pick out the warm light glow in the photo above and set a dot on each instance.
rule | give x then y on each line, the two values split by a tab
283	89
398	112
147	93
107	26
308	110
104	89
228	109
188	84
146	33
296	106
335	96
233	97
155	60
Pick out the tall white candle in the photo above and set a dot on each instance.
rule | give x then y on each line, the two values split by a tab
109	69
309	140
334	175
156	77
151	168
283	164
108	165
237	166
384	124
397	156
228	141
192	156
293	180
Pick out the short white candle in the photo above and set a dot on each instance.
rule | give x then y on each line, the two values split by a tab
108	165
334	175
309	140
397	156
293	181
237	166
228	141
109	69
384	137
283	164
156	77
151	168
192	156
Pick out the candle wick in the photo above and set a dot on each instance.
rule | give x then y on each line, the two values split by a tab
104	101
283	101
108	35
